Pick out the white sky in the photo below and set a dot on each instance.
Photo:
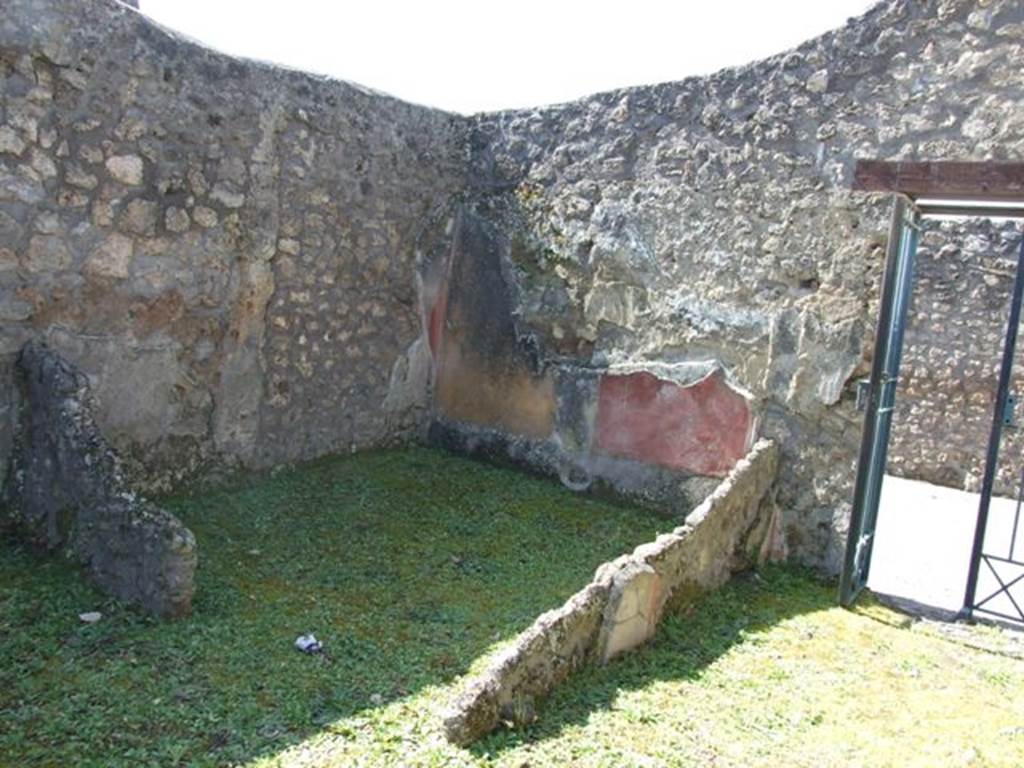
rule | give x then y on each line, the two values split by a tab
468	56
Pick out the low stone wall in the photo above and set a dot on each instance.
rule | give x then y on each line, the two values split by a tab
621	608
66	491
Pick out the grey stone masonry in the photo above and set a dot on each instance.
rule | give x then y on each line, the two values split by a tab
226	248
257	266
713	219
67	493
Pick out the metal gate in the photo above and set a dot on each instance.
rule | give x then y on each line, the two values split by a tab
999	570
995	585
995	582
881	397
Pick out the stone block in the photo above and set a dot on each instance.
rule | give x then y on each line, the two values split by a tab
47	253
127	169
140	217
10	142
112	257
176	220
633	610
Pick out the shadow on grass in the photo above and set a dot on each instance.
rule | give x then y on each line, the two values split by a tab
408	565
685	646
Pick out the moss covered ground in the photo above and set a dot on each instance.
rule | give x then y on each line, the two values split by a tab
411	566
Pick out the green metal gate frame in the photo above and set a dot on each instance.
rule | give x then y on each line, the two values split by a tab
898	279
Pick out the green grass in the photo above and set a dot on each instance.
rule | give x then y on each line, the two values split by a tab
410	566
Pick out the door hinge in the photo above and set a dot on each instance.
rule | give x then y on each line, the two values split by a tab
1008	411
863	393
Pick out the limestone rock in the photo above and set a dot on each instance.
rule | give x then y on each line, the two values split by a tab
13	309
47	253
8	259
46	223
818	82
76	177
10	229
226	196
127	169
633	610
140	217
176	220
20	189
112	257
10	142
43	164
205	217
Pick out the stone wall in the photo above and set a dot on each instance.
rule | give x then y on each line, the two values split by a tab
951	357
656	432
710	220
226	248
68	494
254	265
622	607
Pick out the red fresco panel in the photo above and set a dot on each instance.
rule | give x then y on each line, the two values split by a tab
702	429
435	320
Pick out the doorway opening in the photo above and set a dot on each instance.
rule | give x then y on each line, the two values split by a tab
937	509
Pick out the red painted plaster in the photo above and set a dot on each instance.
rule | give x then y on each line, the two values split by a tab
435	320
703	428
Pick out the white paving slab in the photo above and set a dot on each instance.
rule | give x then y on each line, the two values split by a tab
923	545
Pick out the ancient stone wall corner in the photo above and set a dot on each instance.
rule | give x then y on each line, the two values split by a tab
66	492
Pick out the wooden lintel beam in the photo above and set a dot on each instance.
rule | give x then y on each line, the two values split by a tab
942	180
